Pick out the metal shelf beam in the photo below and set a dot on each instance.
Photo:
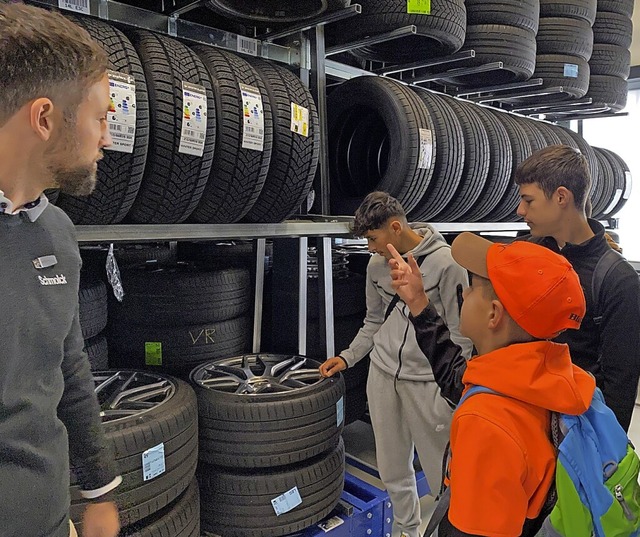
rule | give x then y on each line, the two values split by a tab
172	25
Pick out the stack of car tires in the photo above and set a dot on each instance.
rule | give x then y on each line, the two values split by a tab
271	454
93	319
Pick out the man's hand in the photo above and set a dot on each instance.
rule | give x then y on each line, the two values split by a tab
332	366
406	280
101	520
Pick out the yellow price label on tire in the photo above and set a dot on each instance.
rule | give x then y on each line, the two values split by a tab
420	7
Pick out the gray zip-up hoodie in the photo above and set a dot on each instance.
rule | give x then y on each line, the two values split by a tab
392	343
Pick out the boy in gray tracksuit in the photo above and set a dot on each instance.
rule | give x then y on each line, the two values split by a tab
405	404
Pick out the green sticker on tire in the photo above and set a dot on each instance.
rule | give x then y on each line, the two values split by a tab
153	353
420	7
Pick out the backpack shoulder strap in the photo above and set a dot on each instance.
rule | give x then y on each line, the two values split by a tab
605	264
396	297
475	390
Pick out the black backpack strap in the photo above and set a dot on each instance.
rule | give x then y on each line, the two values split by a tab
605	264
439	513
396	298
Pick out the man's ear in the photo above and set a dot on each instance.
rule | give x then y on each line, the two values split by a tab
42	117
396	226
497	316
564	196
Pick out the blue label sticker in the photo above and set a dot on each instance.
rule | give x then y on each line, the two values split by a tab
286	502
153	462
570	70
340	411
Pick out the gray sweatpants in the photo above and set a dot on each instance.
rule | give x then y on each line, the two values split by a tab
407	414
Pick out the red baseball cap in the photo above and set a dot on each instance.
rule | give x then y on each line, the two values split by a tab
538	288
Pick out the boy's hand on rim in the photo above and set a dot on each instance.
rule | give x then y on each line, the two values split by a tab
406	280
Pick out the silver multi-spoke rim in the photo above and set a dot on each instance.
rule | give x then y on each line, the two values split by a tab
253	374
123	394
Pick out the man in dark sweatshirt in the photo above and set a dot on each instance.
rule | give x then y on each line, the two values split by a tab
54	96
554	184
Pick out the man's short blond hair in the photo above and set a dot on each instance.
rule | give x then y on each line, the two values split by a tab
43	54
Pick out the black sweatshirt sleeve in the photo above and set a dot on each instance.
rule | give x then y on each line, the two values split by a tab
79	411
446	358
619	350
446	529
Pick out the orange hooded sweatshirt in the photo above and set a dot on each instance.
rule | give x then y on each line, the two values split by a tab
502	461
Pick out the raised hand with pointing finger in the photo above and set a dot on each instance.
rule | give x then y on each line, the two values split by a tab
406	280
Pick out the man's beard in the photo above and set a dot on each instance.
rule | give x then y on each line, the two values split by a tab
75	181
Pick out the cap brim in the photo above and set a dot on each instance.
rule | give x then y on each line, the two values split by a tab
470	251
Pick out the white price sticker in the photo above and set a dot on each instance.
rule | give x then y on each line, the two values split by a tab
153	463
79	6
300	119
246	45
194	119
426	149
616	198
122	112
340	411
286	502
253	118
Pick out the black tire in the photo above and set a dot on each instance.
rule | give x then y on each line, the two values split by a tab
182	295
613	29
536	139
549	134
621	169
623	7
97	350
173	181
572	9
521	150
565	138
223	255
523	14
569	37
476	163
355	404
450	158
173	423
610	60
179	519
438	34
237	174
570	72
604	186
294	158
140	254
348	296
589	154
500	166
237	504
612	193
182	347
345	329
269	427
514	47
119	173
609	90
268	12
93	307
370	116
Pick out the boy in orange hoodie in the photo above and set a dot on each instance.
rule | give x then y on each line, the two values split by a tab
502	462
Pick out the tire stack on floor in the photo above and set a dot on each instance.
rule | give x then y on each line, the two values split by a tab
611	58
151	425
271	454
174	317
93	319
565	45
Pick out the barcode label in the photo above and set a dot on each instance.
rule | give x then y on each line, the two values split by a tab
153	463
122	112
194	120
253	118
246	45
79	6
286	502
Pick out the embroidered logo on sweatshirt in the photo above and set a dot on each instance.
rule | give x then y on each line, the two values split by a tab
59	279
